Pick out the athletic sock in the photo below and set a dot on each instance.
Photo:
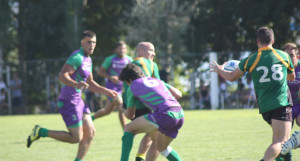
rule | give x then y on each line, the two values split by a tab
43	132
287	156
279	159
170	154
140	157
127	141
76	159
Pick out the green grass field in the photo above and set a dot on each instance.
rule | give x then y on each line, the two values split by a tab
221	135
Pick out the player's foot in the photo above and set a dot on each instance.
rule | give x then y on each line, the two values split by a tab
292	143
34	135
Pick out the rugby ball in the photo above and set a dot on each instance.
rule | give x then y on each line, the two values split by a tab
231	65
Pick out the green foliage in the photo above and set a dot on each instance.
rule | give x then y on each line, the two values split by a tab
102	17
231	25
219	135
7	29
44	29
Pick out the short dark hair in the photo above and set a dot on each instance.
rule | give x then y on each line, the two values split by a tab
265	35
87	33
131	71
120	43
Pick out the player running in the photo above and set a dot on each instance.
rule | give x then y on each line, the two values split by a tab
167	116
110	70
76	75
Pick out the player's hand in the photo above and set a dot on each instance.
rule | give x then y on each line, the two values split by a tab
81	85
214	67
114	79
112	93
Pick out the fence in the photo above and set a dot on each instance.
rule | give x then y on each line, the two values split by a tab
41	87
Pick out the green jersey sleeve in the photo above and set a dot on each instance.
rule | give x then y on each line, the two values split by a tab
129	58
156	71
75	60
107	62
130	98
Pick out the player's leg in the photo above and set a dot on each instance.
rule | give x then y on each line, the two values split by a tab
108	108
119	103
73	136
88	135
139	125
152	153
146	140
162	144
72	119
296	114
144	145
281	132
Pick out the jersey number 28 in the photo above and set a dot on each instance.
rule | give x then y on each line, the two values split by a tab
276	73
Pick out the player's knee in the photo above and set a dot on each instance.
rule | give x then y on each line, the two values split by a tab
76	139
127	128
118	101
91	134
160	147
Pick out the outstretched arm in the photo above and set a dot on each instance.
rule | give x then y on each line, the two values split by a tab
95	87
228	75
175	92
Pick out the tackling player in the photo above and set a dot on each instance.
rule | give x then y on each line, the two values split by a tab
167	117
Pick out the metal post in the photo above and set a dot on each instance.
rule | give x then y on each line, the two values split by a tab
214	84
192	91
8	90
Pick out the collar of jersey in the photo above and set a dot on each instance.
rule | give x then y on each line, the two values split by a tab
265	48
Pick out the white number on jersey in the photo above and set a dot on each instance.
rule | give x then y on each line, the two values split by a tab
276	75
150	83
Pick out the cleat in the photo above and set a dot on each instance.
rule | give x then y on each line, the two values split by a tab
292	143
34	135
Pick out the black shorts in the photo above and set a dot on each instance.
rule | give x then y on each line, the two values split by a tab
141	112
282	113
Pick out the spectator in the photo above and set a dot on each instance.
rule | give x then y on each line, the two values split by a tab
3	105
203	95
16	93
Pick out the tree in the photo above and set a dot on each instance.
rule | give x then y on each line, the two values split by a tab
164	23
102	17
230	25
7	30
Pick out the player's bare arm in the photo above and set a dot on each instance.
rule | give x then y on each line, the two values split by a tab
175	92
130	112
228	75
95	87
291	76
64	77
102	73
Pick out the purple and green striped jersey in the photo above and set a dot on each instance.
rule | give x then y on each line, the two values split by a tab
295	85
114	65
83	67
152	92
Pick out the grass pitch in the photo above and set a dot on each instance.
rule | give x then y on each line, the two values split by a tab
221	135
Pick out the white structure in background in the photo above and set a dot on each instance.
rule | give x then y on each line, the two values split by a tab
214	84
193	90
